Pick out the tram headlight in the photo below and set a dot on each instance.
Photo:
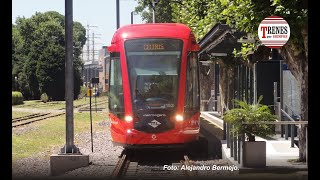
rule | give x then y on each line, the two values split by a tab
128	118
179	117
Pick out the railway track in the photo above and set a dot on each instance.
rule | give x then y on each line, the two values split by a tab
121	167
33	118
20	121
188	163
129	167
86	107
26	117
80	106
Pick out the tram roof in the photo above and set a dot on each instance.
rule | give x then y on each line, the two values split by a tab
152	30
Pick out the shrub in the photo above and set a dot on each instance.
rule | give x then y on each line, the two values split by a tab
250	113
104	93
17	98
44	97
83	92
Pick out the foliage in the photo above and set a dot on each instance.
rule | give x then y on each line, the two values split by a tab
243	15
38	54
44	97
250	113
163	11
83	92
104	93
17	98
200	16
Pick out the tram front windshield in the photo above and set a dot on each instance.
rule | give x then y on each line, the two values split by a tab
153	66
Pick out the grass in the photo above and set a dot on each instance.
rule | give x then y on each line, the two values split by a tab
16	114
58	104
51	133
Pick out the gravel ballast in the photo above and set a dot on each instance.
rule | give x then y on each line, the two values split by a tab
102	160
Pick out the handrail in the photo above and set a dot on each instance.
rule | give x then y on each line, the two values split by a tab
286	114
277	122
292	110
292	127
207	101
214	100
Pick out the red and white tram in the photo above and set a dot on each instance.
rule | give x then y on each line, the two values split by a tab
154	96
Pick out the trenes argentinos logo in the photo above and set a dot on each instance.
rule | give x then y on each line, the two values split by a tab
274	32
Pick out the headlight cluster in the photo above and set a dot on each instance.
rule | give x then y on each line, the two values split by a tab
179	118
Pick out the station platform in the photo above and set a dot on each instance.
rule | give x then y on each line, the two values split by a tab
280	156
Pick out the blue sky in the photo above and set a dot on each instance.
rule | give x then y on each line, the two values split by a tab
101	13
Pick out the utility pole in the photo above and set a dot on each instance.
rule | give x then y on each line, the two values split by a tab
93	48
96	66
153	12
88	54
93	51
118	12
153	5
69	157
131	17
132	14
88	42
69	94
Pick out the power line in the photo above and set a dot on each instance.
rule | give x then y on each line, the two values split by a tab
93	45
88	40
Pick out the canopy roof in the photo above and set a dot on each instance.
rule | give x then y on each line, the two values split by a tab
219	41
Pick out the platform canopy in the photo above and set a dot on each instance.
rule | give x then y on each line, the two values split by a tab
219	41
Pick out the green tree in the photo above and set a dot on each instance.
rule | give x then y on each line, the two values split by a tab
18	57
163	11
38	57
246	15
195	15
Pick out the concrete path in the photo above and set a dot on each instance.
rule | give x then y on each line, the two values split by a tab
279	154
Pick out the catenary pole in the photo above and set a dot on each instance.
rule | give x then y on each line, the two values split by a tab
153	12
118	12
69	94
131	17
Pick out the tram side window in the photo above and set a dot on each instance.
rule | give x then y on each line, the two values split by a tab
116	104
192	101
